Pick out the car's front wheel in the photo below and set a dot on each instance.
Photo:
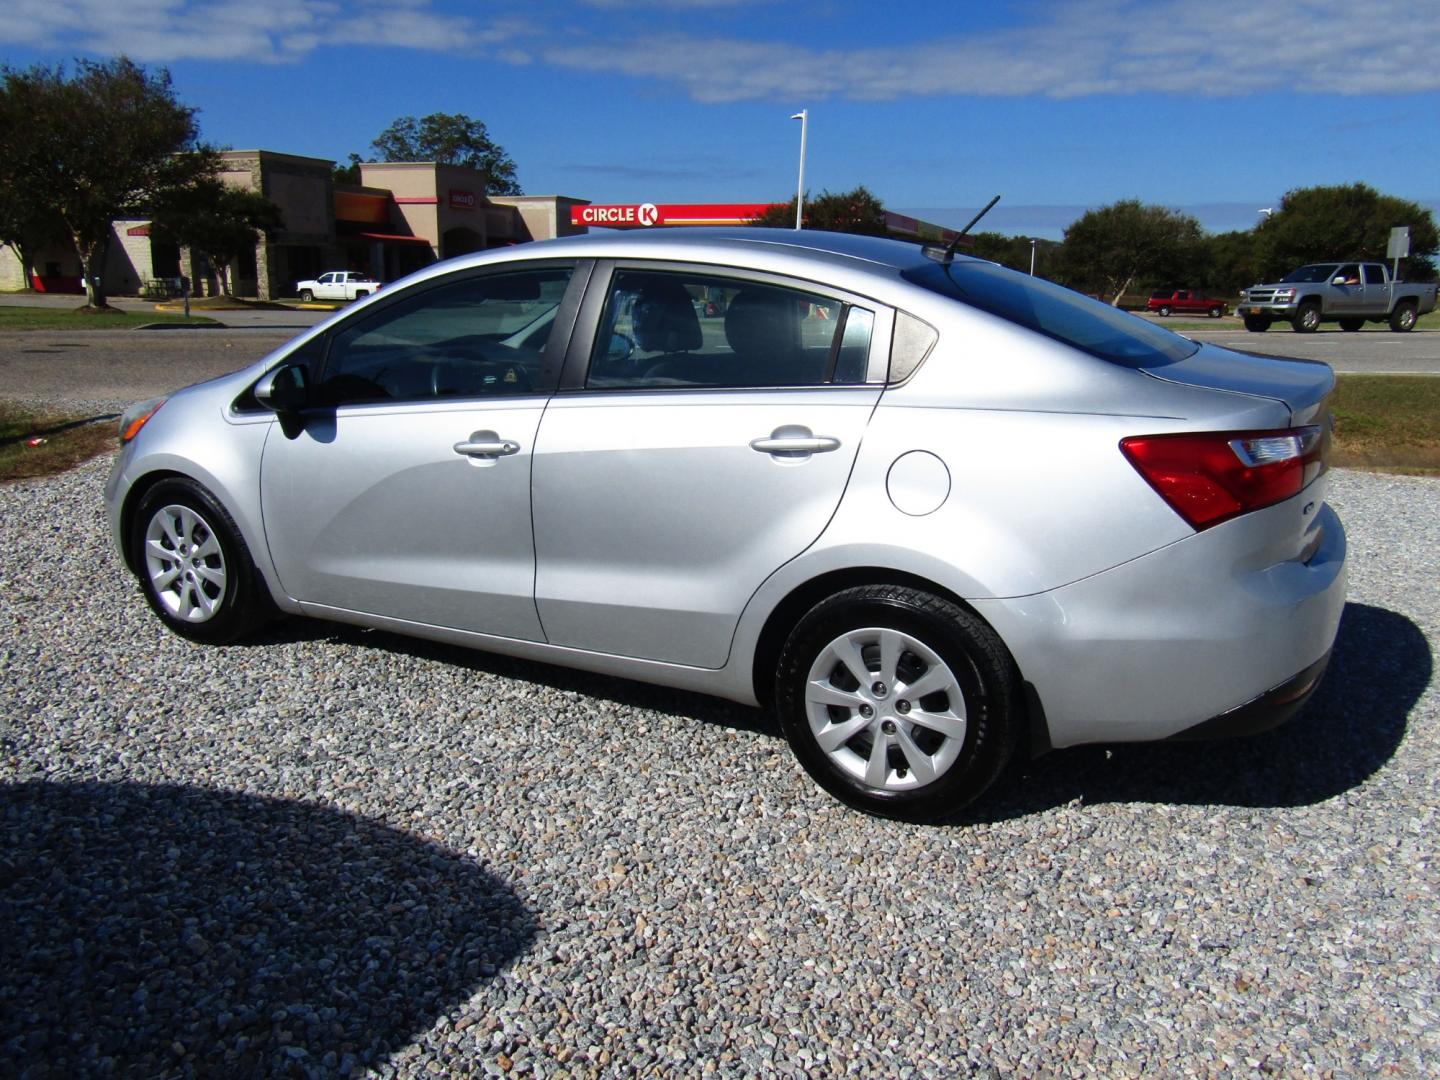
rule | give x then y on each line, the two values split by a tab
193	565
306	296
898	702
1307	319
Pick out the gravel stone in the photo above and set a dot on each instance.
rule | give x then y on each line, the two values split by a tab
333	852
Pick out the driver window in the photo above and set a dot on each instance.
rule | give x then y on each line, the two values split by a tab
476	337
1350	272
663	330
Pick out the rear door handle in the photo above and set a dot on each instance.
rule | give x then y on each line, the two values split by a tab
794	442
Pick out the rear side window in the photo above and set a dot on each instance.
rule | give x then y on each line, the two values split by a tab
663	329
1056	312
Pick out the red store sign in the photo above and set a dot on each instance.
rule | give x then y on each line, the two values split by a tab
461	199
644	215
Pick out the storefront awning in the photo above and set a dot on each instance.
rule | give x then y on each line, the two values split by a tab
392	238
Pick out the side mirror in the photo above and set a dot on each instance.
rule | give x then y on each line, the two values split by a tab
1338	281
284	390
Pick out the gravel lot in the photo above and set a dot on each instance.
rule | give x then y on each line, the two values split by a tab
337	851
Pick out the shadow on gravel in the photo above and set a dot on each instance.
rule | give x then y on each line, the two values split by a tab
636	695
175	931
1353	725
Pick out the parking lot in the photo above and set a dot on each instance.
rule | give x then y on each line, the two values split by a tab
333	850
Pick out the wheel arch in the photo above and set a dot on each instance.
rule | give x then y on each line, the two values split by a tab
785	615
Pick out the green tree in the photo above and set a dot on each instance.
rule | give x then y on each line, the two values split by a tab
1014	252
1347	221
1229	262
219	221
1127	243
104	144
856	211
449	139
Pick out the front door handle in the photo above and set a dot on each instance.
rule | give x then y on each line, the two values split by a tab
486	444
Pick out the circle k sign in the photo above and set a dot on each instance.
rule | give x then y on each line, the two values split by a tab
649	213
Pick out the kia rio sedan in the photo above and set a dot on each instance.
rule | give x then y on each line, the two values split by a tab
932	512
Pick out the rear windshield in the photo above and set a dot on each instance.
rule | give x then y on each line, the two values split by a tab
1312	273
1056	312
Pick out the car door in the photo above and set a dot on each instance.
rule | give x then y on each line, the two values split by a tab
1377	289
405	493
702	441
325	287
1347	291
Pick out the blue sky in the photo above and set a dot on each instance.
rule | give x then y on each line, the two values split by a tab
1215	107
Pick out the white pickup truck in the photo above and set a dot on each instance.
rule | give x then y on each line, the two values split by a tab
1350	293
337	285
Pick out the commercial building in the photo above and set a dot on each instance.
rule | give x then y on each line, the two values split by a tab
400	217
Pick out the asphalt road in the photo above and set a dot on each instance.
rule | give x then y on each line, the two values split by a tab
108	369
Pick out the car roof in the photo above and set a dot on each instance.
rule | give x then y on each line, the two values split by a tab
711	242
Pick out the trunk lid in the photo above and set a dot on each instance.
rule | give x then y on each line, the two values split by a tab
1303	386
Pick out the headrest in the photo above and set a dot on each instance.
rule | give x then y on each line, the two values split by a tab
664	319
763	324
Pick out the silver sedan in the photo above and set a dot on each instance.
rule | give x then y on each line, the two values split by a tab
933	512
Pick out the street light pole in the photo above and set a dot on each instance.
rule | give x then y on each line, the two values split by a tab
804	117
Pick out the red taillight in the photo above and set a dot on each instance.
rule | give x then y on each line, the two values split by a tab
1211	477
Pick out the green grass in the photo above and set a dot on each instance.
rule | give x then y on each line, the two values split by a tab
1387	422
66	441
38	318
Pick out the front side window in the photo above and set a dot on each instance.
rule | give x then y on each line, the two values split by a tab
663	329
1349	274
475	337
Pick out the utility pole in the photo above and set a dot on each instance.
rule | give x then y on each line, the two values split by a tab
804	117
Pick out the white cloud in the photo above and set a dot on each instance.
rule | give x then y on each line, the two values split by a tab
267	31
1072	49
1069	48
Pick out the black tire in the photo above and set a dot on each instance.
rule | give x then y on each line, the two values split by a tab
1256	324
972	663
217	614
306	296
1351	325
1216	312
1402	319
1307	319
1164	311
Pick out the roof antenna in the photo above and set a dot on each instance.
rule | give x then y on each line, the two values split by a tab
948	255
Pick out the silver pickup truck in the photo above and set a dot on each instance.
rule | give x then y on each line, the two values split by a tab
1350	293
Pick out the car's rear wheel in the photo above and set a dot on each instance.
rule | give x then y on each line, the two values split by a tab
1216	312
1256	324
898	702
1164	312
1402	319
193	565
1351	325
1307	319
306	296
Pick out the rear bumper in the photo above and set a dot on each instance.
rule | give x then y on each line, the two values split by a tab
1269	710
1206	628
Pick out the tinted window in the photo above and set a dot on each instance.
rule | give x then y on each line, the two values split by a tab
1056	312
1374	274
477	337
675	330
1349	274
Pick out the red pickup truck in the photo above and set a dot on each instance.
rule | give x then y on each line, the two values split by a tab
1189	301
